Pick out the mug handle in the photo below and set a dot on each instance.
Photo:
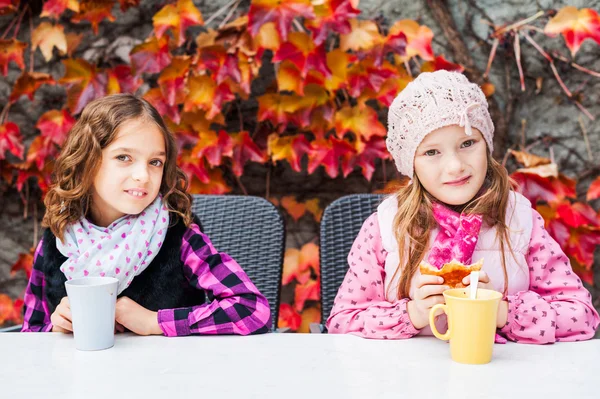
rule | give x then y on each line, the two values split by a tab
444	308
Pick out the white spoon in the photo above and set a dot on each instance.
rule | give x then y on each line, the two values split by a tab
474	281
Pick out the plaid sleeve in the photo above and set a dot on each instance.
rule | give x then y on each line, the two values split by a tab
234	306
36	316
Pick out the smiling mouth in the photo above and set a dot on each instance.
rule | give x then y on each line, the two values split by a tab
459	182
137	193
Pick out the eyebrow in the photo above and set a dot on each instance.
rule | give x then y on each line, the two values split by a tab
133	151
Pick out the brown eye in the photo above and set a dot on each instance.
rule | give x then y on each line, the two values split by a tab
468	143
431	153
123	158
157	162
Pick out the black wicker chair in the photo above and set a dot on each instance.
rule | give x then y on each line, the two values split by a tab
252	231
340	224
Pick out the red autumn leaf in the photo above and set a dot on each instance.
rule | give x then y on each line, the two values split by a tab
28	83
280	12
302	52
205	94
8	6
586	274
55	8
40	149
549	189
441	63
288	317
362	121
576	26
331	16
577	214
367	153
11	50
83	83
582	243
216	185
298	263
24	262
121	80
418	38
173	78
94	11
10	140
289	78
277	108
177	17
388	91
244	150
73	41
222	64
126	4
213	147
328	153
193	166
306	292
314	98
7	309
594	190
290	148
320	122
27	171
152	56
365	74
310	316
55	125
156	98
363	36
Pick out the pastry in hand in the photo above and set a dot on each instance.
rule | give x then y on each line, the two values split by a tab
453	272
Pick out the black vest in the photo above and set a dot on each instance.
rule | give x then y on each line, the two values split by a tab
161	286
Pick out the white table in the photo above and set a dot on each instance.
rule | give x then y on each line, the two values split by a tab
289	366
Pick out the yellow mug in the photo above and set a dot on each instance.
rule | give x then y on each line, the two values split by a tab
471	324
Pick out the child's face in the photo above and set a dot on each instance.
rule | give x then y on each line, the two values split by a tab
451	165
130	174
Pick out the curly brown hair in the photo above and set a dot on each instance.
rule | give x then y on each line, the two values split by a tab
68	198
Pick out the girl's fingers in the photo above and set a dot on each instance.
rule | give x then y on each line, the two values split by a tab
427	279
432	301
430	290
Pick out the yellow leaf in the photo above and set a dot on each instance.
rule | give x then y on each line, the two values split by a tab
47	36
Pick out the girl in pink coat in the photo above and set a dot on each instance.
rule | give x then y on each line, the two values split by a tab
460	205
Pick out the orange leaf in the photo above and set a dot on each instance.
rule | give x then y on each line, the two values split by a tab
310	291
28	83
198	123
302	52
173	78
55	125
7	309
488	89
294	208
367	153
441	63
529	160
594	190
152	56
121	80
314	208
337	62
365	74
126	4
289	78
290	148
216	185
83	83
331	16
364	122
55	8
8	6
47	36
10	140
244	150
388	91
309	316
364	35
24	262
204	93
94	11
328	153
11	50
213	147
73	41
177	17
41	148
280	12
576	26
291	268
586	274
315	99
418	38
309	256
288	317
267	38
276	108
156	98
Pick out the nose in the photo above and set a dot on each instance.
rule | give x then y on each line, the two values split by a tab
455	165
140	173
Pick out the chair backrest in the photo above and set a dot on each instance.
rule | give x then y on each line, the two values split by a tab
340	225
251	230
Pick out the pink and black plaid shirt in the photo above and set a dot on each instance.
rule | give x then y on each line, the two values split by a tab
234	306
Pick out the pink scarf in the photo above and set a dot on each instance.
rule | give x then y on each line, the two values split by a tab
457	237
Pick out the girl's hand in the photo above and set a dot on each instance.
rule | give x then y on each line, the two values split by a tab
61	318
428	293
484	281
134	317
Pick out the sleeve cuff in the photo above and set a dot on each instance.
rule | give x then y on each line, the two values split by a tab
174	322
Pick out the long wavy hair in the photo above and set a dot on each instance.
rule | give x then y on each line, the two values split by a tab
414	220
69	196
